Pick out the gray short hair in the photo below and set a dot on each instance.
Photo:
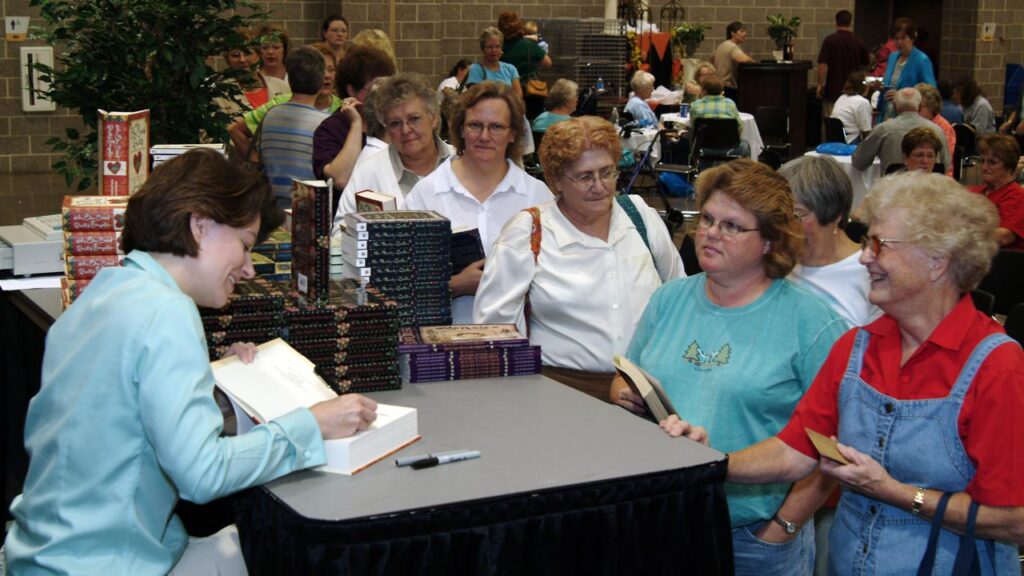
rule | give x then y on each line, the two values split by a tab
405	87
930	98
371	105
305	67
562	92
925	203
488	33
642	79
819	183
907	99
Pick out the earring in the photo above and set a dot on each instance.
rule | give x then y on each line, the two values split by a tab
767	247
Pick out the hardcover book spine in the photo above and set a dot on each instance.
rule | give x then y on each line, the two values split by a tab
93	213
124	152
85	267
92	243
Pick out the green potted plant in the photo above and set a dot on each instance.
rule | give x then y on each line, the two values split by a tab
783	30
144	54
688	36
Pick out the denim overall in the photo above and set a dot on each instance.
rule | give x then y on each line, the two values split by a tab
918	443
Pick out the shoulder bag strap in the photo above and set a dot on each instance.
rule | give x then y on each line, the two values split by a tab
535	236
966	556
928	562
634	216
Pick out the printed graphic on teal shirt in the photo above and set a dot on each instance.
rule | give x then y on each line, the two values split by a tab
694	355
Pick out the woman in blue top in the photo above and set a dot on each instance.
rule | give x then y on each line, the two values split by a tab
736	348
125	422
907	66
491	67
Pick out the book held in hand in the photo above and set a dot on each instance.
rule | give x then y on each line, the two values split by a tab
645	386
280	380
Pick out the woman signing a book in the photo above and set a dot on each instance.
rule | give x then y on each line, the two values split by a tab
587	262
736	347
926	402
125	422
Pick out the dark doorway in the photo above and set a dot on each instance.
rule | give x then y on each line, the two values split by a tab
873	20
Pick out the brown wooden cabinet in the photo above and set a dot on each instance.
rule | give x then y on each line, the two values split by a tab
777	84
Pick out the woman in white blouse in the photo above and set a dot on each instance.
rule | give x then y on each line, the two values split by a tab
853	109
479	186
583	261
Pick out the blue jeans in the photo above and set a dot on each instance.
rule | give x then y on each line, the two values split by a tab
755	557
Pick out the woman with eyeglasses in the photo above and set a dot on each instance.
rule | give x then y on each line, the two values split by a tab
925	401
736	347
582	262
409	110
906	67
480	187
999	157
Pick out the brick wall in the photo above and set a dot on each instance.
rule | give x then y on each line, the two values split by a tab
430	36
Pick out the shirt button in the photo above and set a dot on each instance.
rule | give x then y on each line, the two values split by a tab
307	454
615	306
888	407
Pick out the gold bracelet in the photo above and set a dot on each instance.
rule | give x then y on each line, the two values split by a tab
918	500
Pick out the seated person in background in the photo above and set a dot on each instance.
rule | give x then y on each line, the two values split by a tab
853	109
560	104
920	150
999	157
591	274
242	129
642	84
886	140
931	109
951	111
918	404
456	78
692	89
99	498
829	267
1014	124
286	143
977	110
712	104
339	139
480	187
409	110
737	346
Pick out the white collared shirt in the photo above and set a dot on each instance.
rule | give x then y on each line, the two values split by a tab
442	192
586	295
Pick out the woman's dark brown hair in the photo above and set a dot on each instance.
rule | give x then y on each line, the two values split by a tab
200	182
361	65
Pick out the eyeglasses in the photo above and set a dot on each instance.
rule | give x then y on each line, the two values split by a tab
801	214
587	180
988	161
727	228
875	244
478	128
412	122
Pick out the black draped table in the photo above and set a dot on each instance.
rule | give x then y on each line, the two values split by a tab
565	485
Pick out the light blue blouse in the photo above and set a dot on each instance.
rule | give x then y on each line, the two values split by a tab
125	423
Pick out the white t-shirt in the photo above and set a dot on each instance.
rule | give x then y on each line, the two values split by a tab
586	295
442	192
855	113
844	285
449	82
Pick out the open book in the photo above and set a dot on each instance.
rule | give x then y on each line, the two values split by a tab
647	387
280	380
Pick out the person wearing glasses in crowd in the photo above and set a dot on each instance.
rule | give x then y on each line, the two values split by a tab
999	157
736	347
480	187
334	33
409	110
582	261
921	149
922	401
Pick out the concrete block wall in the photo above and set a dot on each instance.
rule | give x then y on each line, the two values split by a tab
430	35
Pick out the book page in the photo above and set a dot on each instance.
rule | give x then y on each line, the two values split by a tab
278	381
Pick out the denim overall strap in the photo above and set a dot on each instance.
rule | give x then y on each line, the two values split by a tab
977	358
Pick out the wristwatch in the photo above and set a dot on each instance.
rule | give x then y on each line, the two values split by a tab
789	527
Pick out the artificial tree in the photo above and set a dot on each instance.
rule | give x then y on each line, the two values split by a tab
137	54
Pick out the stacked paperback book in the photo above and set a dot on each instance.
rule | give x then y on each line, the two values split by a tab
161	153
272	259
312	216
352	340
92	239
405	255
465	351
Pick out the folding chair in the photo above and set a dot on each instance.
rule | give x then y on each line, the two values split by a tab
773	124
834	130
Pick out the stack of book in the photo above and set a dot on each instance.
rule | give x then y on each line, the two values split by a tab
92	239
254	313
352	339
405	255
273	258
161	153
465	351
312	216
